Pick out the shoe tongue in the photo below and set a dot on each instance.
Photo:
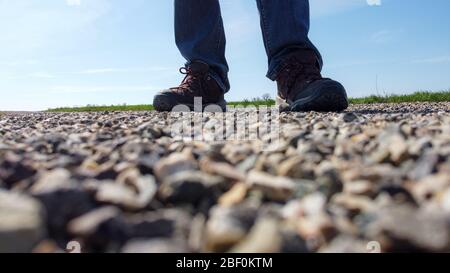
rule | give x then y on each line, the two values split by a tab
199	68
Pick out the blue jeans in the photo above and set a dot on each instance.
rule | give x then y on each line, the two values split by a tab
200	34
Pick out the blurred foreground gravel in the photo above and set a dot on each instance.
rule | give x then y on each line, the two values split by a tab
375	178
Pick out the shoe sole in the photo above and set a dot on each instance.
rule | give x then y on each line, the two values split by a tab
325	100
164	104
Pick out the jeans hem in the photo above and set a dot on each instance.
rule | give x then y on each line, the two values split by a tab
276	66
219	81
225	87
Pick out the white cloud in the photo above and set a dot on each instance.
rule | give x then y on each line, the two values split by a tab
122	70
344	64
73	2
42	75
102	71
69	89
381	36
374	2
433	60
19	62
385	36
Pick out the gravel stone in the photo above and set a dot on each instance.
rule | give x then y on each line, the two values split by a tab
22	223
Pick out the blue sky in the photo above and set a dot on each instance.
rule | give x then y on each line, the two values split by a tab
77	52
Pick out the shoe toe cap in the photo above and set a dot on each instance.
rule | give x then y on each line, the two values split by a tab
323	96
164	101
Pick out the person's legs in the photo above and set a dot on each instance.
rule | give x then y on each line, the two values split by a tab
294	62
200	36
285	27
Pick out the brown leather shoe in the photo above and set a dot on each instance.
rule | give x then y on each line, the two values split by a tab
197	83
301	85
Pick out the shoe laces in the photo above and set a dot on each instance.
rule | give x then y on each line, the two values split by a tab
192	82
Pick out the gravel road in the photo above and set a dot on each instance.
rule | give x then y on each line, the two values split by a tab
375	178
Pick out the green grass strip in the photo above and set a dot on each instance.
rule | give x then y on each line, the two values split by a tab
421	96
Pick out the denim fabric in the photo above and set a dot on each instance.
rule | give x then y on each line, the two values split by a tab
200	35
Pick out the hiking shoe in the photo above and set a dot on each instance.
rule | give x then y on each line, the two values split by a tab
197	83
301	86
